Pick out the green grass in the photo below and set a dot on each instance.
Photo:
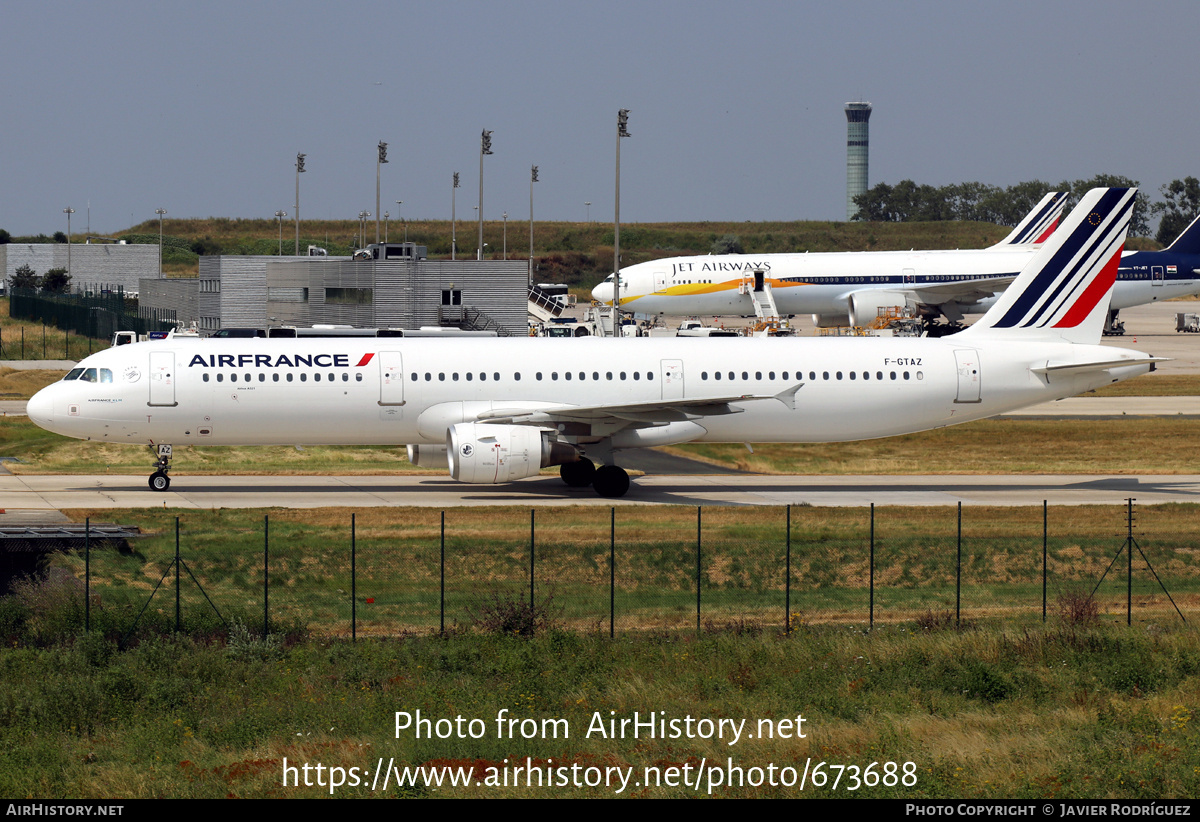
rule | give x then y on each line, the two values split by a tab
1160	445
1007	707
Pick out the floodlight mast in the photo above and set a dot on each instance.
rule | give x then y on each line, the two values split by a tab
453	220
533	178
299	171
380	160
485	147
622	131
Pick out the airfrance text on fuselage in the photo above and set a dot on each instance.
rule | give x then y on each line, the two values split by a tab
275	361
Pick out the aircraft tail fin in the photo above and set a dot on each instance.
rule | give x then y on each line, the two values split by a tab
1189	241
1062	294
1039	223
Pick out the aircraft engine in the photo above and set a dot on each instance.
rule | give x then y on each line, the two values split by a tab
829	320
428	456
865	305
486	453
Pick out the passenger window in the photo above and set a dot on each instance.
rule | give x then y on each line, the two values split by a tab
441	376
346	377
233	377
637	375
304	376
539	375
262	377
704	375
317	377
290	377
567	375
516	376
358	377
622	375
470	376
650	375
275	377
246	377
496	376
554	375
206	377
221	377
454	376
414	376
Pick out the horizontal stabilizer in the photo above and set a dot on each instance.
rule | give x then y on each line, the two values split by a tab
1098	365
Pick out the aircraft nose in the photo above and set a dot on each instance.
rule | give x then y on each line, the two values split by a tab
598	293
40	408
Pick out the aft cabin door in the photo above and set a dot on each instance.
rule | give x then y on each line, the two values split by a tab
391	384
162	378
1156	275
661	279
967	362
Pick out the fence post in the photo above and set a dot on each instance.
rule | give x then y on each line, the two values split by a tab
532	512
43	341
353	583
1045	568
871	574
266	573
787	579
177	612
958	572
698	544
1129	560
87	574
612	572
442	589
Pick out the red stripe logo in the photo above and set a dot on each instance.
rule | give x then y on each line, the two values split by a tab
1092	295
366	359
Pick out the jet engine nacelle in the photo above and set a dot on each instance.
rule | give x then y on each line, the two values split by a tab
829	320
865	305
487	453
428	456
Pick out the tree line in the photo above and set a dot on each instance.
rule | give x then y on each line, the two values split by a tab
979	202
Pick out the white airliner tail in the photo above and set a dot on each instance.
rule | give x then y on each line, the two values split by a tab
1063	293
1039	223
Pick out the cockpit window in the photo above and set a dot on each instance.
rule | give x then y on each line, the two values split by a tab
105	375
73	374
89	375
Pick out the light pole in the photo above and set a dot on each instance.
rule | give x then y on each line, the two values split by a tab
385	222
363	216
588	203
279	215
380	160
161	212
533	178
622	131
299	171
505	246
485	147
400	217
69	211
453	221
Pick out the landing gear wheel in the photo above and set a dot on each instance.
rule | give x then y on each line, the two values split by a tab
159	481
578	474
611	481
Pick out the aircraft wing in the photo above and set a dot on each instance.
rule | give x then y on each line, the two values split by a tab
966	291
636	414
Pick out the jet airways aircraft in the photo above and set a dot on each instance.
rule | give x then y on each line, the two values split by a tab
500	410
851	287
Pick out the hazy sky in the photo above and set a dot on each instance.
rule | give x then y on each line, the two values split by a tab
736	108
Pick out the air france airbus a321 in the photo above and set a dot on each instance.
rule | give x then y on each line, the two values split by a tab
500	410
850	287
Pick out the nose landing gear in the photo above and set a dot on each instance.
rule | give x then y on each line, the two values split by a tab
159	481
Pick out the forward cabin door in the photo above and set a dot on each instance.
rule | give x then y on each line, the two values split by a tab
162	378
391	384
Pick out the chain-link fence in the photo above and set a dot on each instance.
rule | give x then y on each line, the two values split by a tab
739	569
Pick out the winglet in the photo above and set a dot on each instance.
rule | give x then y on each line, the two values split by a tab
788	396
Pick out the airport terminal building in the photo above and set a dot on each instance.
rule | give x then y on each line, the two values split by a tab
387	285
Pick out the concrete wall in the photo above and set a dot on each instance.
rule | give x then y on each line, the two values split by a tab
90	265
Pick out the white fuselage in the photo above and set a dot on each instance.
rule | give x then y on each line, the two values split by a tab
822	283
396	391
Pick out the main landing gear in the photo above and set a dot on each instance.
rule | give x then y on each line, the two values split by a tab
608	480
159	481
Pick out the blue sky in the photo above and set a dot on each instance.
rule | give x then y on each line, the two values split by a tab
736	109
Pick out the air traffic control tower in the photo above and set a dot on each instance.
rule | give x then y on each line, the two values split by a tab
858	133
